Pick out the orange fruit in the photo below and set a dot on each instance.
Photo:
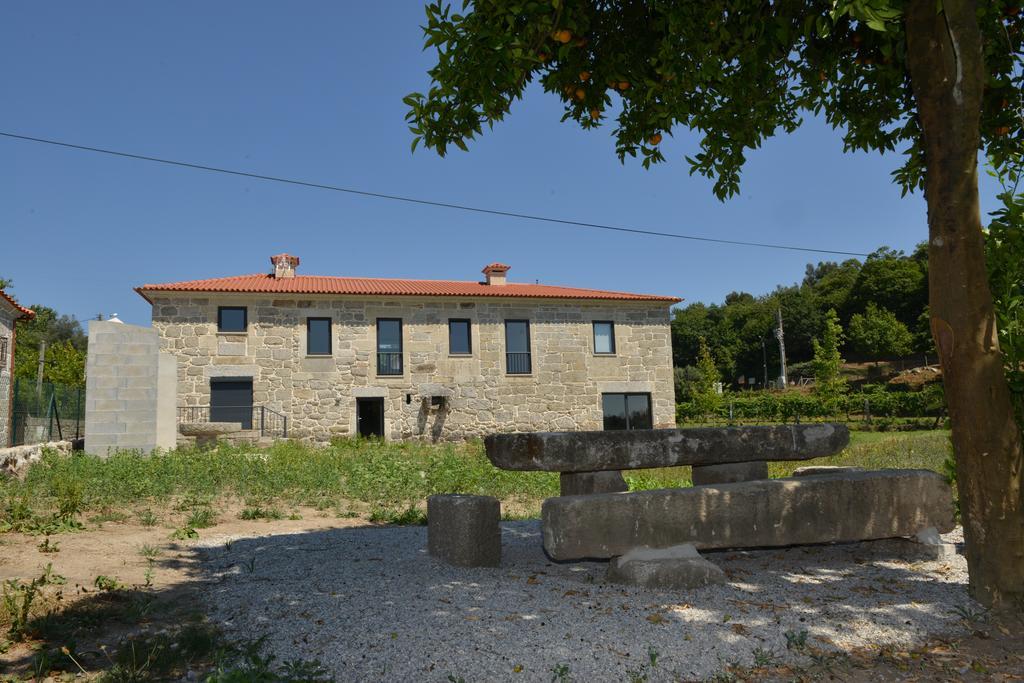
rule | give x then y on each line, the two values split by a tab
584	75
1002	130
563	36
543	56
595	114
654	139
623	85
581	94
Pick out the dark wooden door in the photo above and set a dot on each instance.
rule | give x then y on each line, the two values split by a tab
370	416
231	401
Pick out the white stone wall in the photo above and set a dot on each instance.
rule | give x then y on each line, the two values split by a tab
6	374
129	393
318	394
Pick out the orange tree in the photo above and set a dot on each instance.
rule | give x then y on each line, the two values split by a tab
935	81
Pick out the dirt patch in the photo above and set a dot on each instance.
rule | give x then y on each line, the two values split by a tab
115	579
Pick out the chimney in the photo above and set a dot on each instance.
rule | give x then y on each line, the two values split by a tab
284	266
495	273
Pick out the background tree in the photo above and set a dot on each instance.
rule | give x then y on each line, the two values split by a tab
49	326
938	80
5	283
65	364
828	382
878	333
706	394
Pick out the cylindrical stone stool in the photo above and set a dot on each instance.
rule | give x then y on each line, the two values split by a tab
464	530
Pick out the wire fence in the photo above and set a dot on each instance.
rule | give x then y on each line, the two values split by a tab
50	412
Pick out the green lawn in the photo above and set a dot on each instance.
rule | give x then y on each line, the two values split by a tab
382	479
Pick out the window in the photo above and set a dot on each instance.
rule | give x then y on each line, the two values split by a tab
517	347
232	318
627	411
459	342
3	353
318	336
389	346
604	336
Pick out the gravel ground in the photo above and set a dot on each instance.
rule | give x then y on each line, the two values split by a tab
370	604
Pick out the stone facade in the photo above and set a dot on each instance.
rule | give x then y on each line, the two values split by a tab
10	313
318	393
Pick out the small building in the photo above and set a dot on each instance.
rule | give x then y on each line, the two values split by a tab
436	359
10	313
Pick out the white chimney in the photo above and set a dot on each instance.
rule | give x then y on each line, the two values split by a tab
495	273
284	266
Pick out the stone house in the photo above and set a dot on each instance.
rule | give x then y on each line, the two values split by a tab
10	313
435	359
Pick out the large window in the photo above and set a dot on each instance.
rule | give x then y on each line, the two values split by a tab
604	336
318	336
627	411
232	318
459	341
389	346
517	347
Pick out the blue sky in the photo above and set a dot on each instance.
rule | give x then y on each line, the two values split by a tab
313	91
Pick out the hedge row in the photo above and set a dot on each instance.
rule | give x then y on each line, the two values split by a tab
783	406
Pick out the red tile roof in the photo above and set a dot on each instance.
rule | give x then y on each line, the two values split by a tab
262	283
26	313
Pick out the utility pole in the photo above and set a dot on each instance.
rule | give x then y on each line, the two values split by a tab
780	335
39	370
764	354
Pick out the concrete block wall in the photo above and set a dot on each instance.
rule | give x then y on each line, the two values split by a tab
130	390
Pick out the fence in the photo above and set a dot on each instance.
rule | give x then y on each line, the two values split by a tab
927	405
53	412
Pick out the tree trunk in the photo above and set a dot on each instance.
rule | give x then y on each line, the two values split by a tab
947	71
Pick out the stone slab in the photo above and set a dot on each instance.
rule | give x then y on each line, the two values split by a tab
586	483
815	470
677	568
830	508
729	474
637	449
209	428
464	530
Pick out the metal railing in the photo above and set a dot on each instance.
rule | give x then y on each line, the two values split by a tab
389	363
518	363
269	422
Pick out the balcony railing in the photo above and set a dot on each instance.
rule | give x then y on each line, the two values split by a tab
518	363
389	363
268	422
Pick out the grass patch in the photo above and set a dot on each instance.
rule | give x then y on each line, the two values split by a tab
392	479
385	475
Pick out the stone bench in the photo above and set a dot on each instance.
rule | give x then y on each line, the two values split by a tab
206	433
590	462
825	508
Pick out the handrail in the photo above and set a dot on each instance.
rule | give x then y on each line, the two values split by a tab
270	422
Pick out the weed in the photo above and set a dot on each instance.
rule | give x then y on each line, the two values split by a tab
202	518
147	518
147	576
48	546
411	516
259	512
560	673
796	640
763	657
108	515
652	655
184	533
18	598
149	552
107	583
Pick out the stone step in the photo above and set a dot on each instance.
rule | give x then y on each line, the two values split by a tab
828	508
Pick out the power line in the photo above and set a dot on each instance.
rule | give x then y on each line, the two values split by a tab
424	202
